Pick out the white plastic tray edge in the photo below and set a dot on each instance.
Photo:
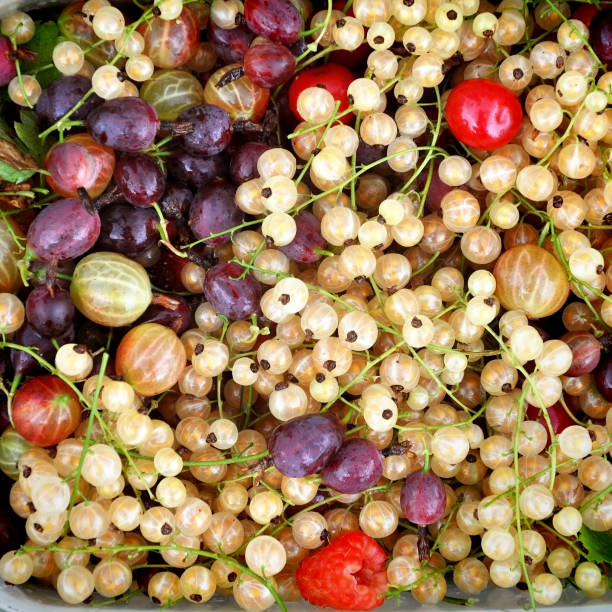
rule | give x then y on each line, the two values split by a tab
33	598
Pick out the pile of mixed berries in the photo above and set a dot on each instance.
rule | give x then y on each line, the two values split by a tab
306	299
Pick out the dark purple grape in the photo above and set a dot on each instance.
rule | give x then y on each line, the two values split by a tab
67	336
586	352
357	466
230	45
196	171
63	230
243	164
212	130
423	501
423	498
127	229
276	20
600	36
173	313
28	336
7	65
214	210
166	271
304	445
368	154
63	94
49	312
92	335
140	178
603	377
234	297
307	239
269	65
149	257
175	202
298	47
125	124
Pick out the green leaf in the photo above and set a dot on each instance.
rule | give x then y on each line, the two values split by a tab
7	135
27	131
13	175
46	37
597	543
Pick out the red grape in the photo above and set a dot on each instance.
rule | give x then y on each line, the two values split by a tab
64	93
173	313
357	466
269	65
50	312
305	444
276	20
166	272
63	230
214	210
212	130
125	124
243	165
127	229
232	296
586	351
307	239
230	45
140	178
196	171
423	501
175	201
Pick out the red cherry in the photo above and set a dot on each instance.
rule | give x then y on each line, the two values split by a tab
333	77
483	114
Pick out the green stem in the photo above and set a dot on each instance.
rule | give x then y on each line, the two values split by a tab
90	422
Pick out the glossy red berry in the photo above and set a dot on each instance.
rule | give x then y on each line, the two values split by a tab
276	20
269	65
333	77
483	114
558	416
423	501
349	574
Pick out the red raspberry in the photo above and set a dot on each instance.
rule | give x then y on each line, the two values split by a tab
349	574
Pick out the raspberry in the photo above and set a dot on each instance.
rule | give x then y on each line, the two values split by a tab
349	574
